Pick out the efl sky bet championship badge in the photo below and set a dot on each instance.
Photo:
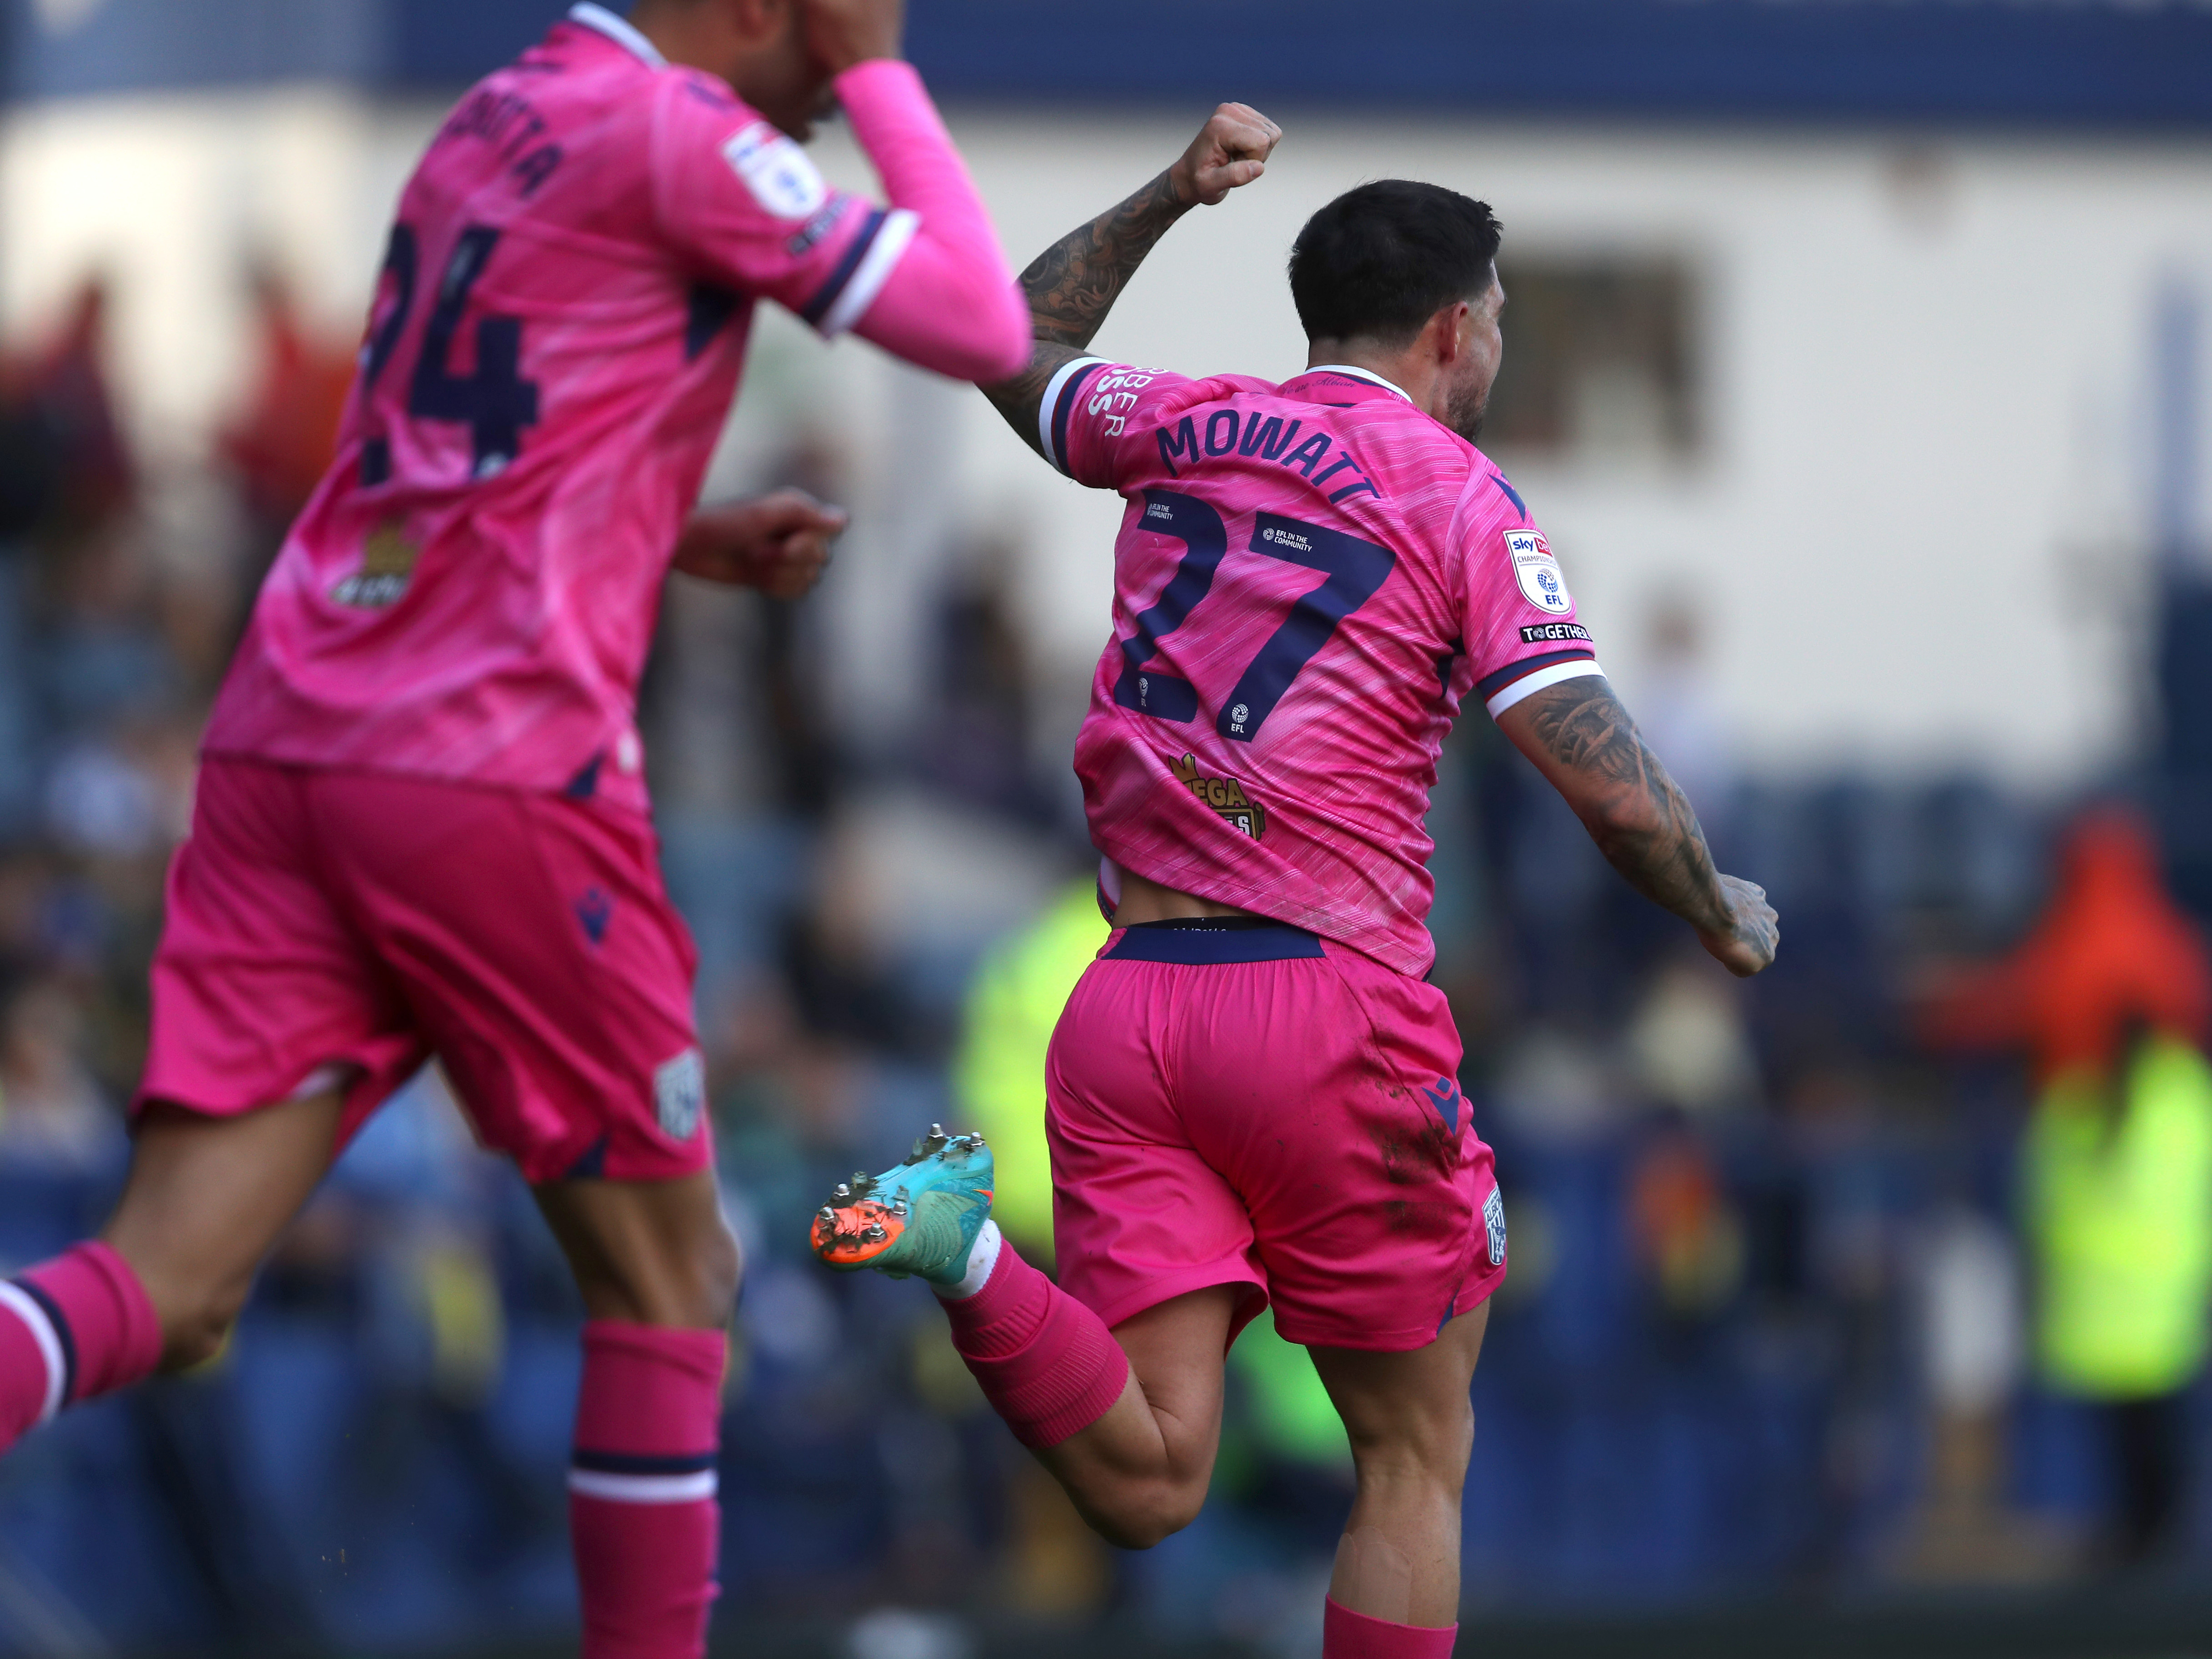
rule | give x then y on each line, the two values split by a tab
778	172
1538	572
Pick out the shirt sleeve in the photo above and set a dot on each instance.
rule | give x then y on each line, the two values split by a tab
746	205
1520	627
1093	418
923	278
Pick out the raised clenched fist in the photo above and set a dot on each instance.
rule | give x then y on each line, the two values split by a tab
1231	150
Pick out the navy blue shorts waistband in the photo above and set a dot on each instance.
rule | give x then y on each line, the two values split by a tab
1205	941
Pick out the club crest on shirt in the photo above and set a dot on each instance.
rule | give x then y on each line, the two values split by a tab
777	172
1226	796
387	565
1538	572
679	1095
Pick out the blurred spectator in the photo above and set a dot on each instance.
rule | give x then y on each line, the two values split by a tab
1679	712
1687	1040
2117	1173
67	424
281	439
2111	992
1686	1234
52	1114
998	1073
2111	943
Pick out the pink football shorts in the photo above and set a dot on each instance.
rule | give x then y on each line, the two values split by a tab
364	921
1237	1101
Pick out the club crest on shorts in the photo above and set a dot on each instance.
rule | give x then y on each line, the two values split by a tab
777	172
1226	796
679	1095
1494	1222
1538	572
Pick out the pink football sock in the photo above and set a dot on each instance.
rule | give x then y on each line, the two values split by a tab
71	1329
1348	1635
1047	1363
641	1506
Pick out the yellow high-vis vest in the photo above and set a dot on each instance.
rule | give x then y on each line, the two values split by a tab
2119	1215
998	1076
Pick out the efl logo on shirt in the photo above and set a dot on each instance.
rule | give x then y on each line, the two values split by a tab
776	171
1538	572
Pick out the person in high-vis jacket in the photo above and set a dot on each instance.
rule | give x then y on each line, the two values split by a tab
2111	993
2115	1175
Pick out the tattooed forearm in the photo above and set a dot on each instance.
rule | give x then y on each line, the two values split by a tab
1073	283
1636	813
1071	286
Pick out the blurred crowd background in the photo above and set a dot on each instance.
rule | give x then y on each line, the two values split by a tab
1861	379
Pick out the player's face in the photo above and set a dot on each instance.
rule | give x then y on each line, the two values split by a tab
1474	371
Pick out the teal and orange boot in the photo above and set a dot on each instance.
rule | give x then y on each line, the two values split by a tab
919	1219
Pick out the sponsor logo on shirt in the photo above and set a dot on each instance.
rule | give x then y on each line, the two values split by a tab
1226	796
776	171
679	1095
387	565
818	227
1538	633
1537	571
1113	396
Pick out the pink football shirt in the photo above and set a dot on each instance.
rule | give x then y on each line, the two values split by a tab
1308	580
558	332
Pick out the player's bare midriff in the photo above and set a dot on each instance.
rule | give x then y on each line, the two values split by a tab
1147	900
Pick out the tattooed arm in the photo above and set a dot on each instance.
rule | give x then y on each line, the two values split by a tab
1581	740
1073	283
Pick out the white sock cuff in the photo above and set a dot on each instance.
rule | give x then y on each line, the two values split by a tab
981	1260
693	1488
25	1307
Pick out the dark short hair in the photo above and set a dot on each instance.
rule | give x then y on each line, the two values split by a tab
1380	261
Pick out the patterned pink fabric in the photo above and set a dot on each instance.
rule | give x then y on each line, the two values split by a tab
1308	580
558	332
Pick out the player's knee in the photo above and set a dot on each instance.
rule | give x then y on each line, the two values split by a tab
1145	1516
721	1271
195	1325
701	1290
1430	1447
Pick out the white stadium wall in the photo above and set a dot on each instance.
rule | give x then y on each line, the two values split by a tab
1917	517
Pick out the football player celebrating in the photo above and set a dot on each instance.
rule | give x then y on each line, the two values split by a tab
1253	1095
422	824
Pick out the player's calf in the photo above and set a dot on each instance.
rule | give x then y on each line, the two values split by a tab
1395	1593
659	1270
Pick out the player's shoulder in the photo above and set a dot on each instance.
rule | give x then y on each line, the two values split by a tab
1191	391
1488	496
